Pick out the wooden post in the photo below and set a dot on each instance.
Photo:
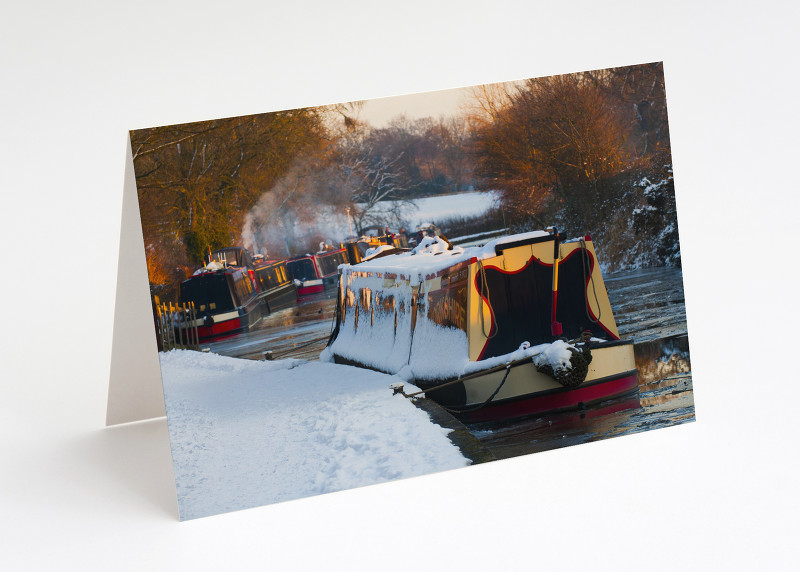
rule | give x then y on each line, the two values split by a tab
158	327
186	325
167	329
170	329
191	324
162	312
181	324
171	324
194	326
164	332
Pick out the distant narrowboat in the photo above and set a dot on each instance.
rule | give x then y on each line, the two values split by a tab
315	273
225	299
275	289
517	327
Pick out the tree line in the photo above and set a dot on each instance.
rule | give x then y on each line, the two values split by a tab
563	149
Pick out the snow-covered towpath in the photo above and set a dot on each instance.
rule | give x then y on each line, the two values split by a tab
247	433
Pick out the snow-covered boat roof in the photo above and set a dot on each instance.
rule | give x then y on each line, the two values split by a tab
431	255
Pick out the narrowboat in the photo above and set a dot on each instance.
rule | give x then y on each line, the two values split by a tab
358	249
517	327
275	289
225	298
314	273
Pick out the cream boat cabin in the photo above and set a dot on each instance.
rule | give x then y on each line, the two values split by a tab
492	332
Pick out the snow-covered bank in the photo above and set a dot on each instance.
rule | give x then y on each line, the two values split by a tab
439	208
638	227
248	433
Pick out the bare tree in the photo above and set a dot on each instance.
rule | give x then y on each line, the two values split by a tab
371	178
548	142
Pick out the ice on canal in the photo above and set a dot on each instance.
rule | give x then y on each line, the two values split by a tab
246	433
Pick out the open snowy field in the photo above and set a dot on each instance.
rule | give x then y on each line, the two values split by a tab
436	209
247	433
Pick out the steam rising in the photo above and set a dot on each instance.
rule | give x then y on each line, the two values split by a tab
307	206
270	231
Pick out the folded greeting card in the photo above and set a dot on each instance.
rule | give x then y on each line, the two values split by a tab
354	293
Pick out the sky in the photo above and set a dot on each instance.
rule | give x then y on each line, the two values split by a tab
380	111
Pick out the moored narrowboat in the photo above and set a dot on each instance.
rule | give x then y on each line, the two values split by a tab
276	289
225	299
359	249
520	326
270	278
314	273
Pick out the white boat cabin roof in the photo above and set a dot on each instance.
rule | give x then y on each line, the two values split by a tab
431	255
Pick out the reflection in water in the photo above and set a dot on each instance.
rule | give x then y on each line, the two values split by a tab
299	331
658	360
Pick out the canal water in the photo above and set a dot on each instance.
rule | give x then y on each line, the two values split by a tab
300	331
649	308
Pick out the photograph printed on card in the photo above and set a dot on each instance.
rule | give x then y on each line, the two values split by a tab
354	293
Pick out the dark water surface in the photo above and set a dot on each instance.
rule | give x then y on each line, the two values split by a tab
299	331
648	307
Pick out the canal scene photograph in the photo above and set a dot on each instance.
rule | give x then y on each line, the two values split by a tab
355	293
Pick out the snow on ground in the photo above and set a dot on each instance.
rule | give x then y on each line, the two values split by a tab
247	433
437	209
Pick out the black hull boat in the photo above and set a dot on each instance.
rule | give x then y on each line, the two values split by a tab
271	279
276	289
315	273
225	299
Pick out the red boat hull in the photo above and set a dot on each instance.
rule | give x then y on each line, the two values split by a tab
308	290
558	400
225	328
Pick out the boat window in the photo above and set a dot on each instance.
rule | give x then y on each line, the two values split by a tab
225	256
233	256
266	278
329	263
207	290
274	276
302	269
243	288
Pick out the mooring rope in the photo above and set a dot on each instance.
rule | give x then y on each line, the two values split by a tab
462	380
485	403
300	346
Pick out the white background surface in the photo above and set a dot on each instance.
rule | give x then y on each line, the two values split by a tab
718	493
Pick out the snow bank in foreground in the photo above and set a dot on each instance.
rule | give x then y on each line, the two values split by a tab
247	433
